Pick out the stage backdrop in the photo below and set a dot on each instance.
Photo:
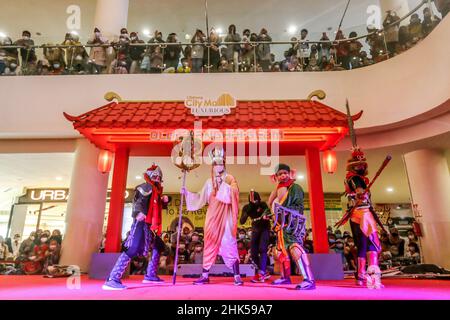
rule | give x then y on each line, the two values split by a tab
196	219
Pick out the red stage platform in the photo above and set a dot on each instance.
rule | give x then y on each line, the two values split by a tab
39	288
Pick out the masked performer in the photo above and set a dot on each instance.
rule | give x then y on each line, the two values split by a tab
363	220
221	193
147	207
286	203
255	209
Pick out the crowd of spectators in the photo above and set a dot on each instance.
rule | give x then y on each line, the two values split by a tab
37	254
395	251
40	252
212	52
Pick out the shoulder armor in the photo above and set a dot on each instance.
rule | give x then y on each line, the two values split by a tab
145	189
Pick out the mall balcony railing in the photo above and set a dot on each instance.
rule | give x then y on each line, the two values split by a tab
253	56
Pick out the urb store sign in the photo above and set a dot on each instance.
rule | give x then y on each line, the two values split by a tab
60	195
206	107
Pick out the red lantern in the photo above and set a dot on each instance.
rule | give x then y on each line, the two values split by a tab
104	161
329	161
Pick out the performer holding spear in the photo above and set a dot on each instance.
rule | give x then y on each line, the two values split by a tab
363	218
186	161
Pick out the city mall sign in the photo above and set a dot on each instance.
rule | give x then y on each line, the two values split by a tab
210	107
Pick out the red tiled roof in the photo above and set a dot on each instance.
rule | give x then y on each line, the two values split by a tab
247	114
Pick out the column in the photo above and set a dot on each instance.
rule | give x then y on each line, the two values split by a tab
316	200
111	16
429	180
117	201
399	6
85	208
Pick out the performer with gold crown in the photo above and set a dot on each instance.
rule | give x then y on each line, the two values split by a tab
147	208
221	193
363	218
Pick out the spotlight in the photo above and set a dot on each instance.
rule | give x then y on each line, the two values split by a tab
146	32
292	29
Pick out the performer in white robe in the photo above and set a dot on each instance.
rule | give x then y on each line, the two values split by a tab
221	193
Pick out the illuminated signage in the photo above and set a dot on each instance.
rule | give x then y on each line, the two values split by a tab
206	107
60	195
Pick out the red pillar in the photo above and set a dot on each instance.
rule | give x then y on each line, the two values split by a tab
117	201
316	200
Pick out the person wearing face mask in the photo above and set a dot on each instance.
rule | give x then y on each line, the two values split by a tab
37	257
391	29
263	50
197	254
351	254
136	52
363	220
16	245
287	200
415	28
56	235
198	51
55	57
397	244
8	56
339	249
430	21
232	50
221	193
52	257
413	253
260	233
4	252
173	52
148	203
97	55
27	246
27	53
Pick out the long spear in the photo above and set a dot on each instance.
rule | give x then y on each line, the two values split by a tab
180	216
187	154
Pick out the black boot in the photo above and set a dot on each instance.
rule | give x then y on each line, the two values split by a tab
237	276
308	282
151	275
114	280
204	279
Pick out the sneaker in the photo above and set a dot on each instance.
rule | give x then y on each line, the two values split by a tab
201	281
362	280
267	276
238	281
155	279
306	285
374	278
281	281
113	285
258	278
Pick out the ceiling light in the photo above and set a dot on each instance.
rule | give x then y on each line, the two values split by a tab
146	32
390	189
138	177
300	177
59	178
187	36
292	29
2	35
219	30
